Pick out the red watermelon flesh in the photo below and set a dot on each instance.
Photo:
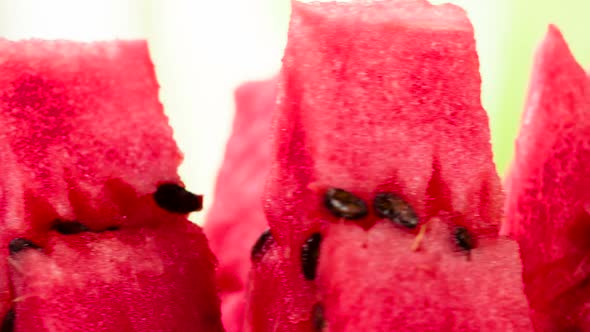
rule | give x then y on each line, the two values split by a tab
547	202
236	218
382	100
87	153
59	101
437	288
132	279
375	45
275	298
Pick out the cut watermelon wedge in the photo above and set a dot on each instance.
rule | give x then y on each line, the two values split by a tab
547	203
92	208
60	101
367	69
383	201
236	218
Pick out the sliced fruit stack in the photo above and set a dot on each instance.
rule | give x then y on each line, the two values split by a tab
94	231
383	201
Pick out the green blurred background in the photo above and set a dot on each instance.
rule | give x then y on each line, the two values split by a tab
525	25
203	49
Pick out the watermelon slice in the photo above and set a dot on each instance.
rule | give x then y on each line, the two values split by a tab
93	228
236	218
383	201
547	204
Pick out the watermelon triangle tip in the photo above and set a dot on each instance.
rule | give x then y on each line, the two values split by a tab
554	33
554	52
552	28
554	39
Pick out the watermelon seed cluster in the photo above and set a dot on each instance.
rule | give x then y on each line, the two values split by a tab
170	197
346	205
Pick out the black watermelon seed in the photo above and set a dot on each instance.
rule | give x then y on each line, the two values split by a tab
19	244
8	321
310	254
174	198
259	248
394	208
69	227
463	238
317	317
344	204
112	228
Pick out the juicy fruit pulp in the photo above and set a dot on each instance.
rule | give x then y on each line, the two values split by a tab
92	228
60	102
547	202
383	200
236	218
132	279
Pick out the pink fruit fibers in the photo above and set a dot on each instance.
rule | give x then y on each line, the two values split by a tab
157	278
547	201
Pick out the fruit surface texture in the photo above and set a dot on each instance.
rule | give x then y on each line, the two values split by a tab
94	232
383	201
547	201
